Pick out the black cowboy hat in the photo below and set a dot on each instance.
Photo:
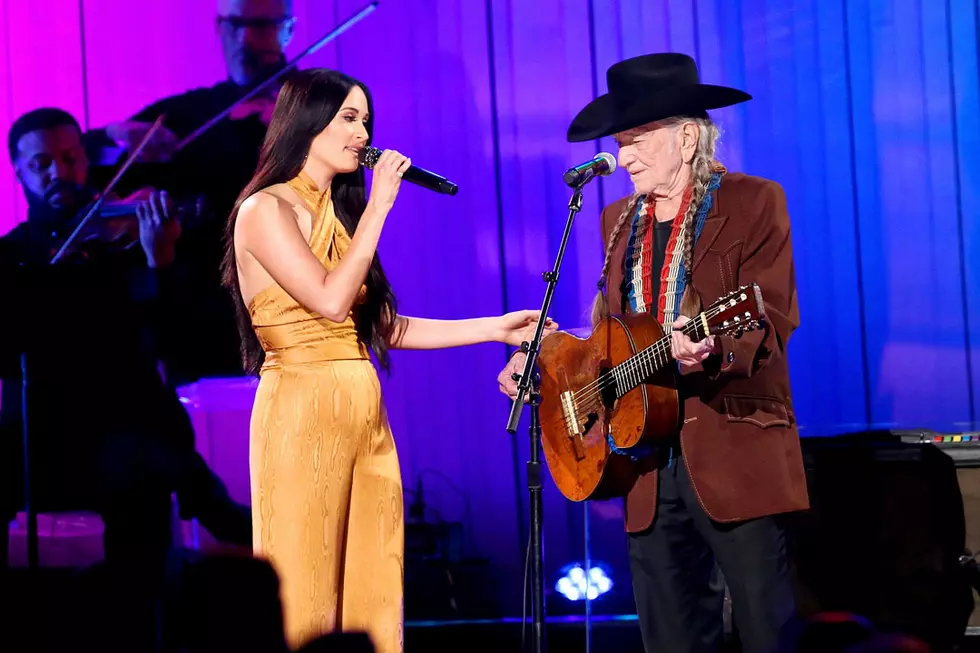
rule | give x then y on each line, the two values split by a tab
646	89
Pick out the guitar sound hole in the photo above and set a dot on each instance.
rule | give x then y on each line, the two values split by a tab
590	421
608	391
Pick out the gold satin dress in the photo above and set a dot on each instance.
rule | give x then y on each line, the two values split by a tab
326	484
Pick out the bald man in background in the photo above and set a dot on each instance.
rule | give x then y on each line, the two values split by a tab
215	166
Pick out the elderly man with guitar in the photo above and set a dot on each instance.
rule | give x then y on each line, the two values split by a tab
685	411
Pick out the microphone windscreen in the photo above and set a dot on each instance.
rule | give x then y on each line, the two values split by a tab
610	162
368	157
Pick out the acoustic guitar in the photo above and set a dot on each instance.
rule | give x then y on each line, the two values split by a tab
607	400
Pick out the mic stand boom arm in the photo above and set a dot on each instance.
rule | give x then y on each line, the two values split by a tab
528	386
531	349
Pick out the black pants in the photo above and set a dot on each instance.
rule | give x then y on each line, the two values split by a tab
679	598
128	478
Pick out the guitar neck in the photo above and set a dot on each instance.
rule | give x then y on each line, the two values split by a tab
647	362
739	311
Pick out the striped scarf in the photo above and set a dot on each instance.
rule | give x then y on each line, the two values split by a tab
639	256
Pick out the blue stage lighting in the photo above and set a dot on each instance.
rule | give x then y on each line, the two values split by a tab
575	585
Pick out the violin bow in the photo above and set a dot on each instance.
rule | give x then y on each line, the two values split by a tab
108	189
337	31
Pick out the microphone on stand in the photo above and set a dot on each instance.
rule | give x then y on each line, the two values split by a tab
369	156
602	165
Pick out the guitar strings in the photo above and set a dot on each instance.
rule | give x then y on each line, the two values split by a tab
590	396
659	347
631	366
585	396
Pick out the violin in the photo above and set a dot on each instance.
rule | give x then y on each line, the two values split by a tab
260	105
115	224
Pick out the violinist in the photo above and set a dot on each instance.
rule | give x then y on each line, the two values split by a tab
106	433
217	164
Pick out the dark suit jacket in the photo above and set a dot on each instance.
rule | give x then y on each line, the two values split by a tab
93	332
739	437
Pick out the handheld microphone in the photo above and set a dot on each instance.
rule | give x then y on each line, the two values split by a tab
369	156
603	164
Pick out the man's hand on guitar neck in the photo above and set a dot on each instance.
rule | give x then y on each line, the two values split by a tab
687	352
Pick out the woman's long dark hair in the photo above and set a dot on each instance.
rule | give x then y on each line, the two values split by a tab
308	101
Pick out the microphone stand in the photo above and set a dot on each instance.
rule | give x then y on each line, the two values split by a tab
30	507
528	386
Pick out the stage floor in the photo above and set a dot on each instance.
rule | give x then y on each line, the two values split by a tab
43	614
34	617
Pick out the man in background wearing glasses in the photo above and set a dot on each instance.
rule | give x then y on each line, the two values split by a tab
216	166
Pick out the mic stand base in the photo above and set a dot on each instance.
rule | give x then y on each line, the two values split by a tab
30	507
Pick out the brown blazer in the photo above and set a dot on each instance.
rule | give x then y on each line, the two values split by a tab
739	437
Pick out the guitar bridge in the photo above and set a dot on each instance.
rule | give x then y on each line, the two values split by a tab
572	422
